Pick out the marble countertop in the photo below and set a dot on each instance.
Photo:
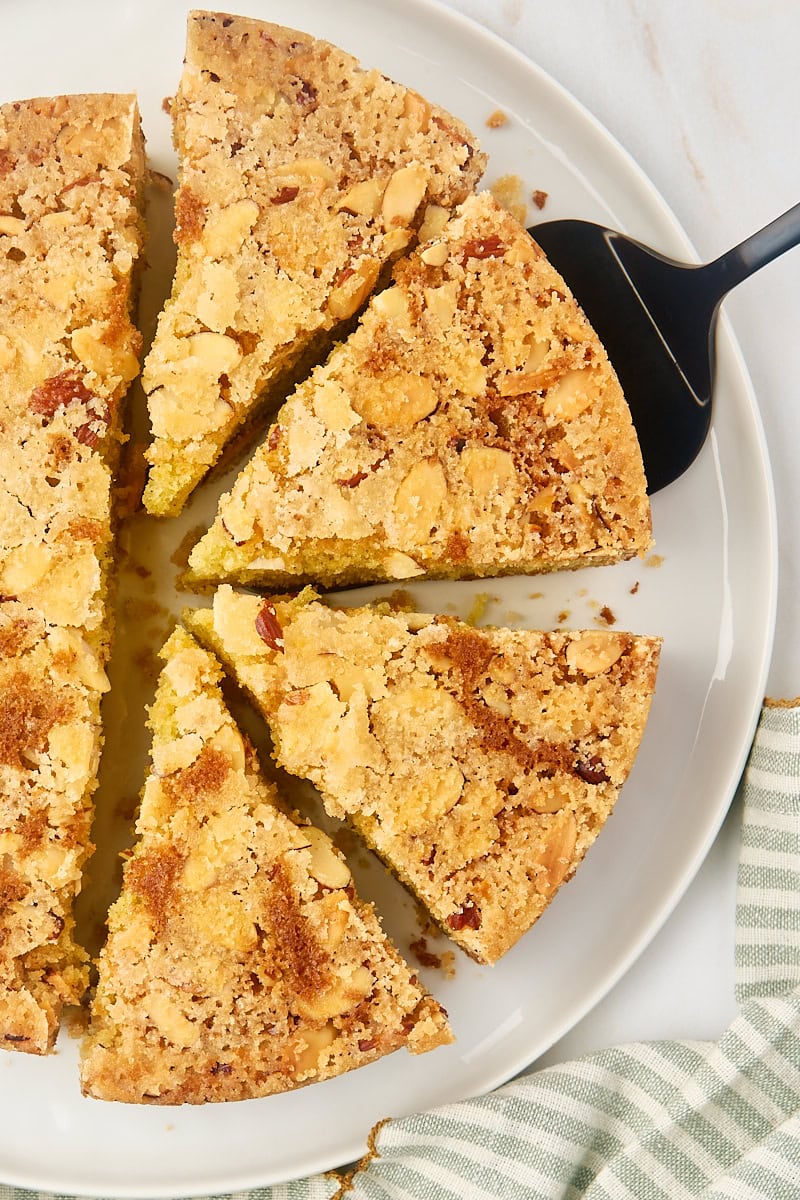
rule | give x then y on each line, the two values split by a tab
704	95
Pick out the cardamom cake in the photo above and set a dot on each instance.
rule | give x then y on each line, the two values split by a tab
71	181
472	425
240	961
480	764
301	176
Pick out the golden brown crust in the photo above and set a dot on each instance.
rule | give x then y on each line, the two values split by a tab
70	193
479	764
471	425
301	176
240	961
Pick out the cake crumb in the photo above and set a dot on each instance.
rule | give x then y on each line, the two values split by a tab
478	610
449	964
654	560
508	192
401	600
539	198
562	616
75	1022
145	661
180	555
424	956
136	608
497	119
159	180
535	595
131	478
634	589
607	616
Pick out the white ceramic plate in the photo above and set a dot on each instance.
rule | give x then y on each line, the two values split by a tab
711	595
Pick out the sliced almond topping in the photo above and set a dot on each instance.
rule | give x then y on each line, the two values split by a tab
436	254
402	401
401	566
593	653
362	199
392	304
419	499
488	469
433	222
327	866
225	232
571	396
396	240
343	994
557	855
353	289
216	353
314	1042
308	168
404	194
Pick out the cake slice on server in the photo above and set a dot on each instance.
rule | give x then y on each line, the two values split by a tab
470	426
301	176
480	764
71	183
240	962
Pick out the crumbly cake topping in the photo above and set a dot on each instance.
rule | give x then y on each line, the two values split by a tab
240	961
472	425
480	764
71	174
301	176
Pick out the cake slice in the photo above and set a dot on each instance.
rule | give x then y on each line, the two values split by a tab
240	962
480	764
71	181
472	425
301	176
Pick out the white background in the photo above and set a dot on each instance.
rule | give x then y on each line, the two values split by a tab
705	95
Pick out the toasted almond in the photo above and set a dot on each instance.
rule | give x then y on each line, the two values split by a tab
593	653
404	194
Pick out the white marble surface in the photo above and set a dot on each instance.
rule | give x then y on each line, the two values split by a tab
704	94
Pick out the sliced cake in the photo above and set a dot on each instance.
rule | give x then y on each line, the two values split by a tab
71	176
480	764
301	176
472	425
240	962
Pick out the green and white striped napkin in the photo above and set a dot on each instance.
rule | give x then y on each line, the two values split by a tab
649	1120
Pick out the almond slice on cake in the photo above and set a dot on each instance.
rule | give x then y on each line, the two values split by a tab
71	179
480	764
470	426
301	176
240	961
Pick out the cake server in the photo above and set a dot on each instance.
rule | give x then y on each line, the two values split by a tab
657	320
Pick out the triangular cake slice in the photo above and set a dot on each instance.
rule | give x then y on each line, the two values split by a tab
480	764
301	176
71	190
240	962
472	425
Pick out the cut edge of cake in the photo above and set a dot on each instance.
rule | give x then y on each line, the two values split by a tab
302	176
72	175
240	961
417	729
471	426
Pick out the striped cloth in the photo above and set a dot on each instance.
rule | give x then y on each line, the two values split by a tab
649	1120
